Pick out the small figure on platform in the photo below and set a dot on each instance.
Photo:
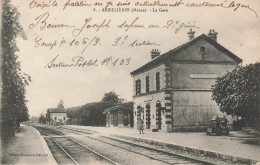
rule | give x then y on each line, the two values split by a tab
140	126
224	122
218	121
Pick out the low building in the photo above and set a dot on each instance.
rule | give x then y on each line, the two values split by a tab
120	115
57	115
172	92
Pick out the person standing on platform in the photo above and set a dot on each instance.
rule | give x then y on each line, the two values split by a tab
140	126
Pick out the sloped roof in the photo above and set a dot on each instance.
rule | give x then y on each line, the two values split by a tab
160	59
128	106
56	110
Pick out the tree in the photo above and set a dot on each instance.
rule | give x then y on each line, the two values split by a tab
91	113
42	119
112	97
14	109
237	92
96	116
61	104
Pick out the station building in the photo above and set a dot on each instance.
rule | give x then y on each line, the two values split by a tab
57	115
120	115
172	92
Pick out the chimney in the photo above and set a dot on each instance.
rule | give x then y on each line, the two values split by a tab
212	34
155	53
191	34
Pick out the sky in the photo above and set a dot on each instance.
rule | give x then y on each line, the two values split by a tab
237	30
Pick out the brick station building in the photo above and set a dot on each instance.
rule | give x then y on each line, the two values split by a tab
173	91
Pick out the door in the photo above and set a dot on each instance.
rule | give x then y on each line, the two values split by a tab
131	119
148	116
158	116
115	118
125	118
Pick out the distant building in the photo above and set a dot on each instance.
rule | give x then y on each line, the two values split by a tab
120	115
57	115
173	91
34	119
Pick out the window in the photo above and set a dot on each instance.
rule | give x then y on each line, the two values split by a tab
202	49
157	80
138	87
147	84
139	112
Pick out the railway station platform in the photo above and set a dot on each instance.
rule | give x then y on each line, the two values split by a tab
236	147
27	147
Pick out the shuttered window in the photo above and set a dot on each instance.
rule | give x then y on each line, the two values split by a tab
147	82
138	87
157	79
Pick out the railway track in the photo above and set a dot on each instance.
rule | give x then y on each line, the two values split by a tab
81	149
80	154
47	131
68	151
145	150
152	153
77	131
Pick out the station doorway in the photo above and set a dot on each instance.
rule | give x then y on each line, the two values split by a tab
158	116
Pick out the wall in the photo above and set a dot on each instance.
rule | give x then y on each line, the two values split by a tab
192	106
151	73
120	118
190	61
212	53
110	117
151	99
181	75
59	116
188	104
193	109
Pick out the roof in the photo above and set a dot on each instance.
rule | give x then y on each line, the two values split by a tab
56	110
160	59
128	106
